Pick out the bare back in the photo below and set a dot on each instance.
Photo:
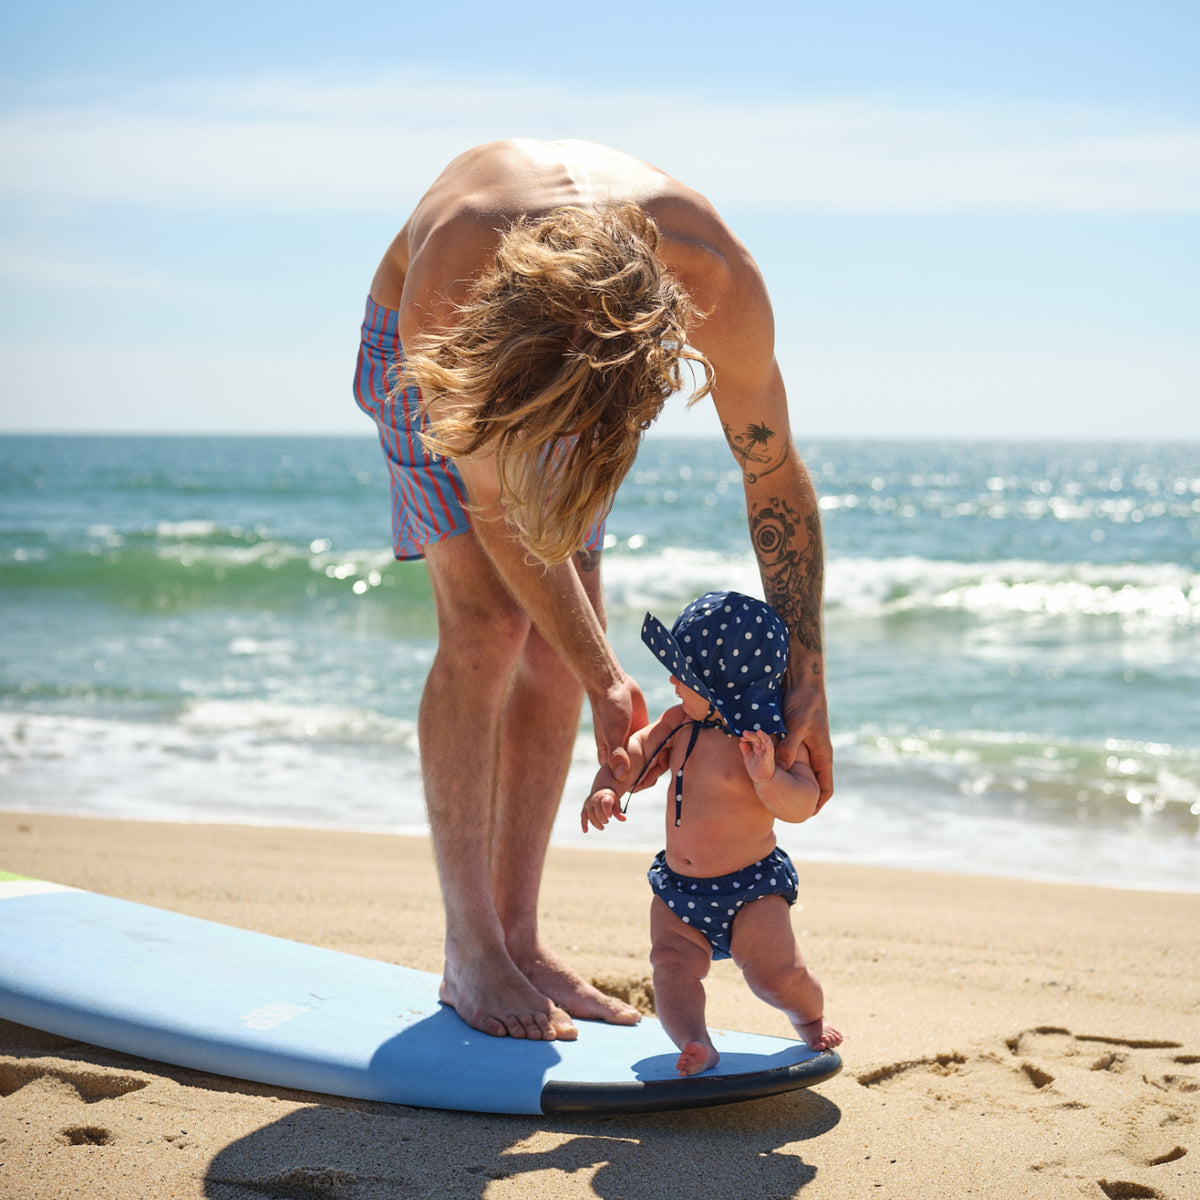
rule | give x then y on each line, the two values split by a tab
453	232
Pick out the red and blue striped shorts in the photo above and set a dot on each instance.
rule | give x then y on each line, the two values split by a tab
428	496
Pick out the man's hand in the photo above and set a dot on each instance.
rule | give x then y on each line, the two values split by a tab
807	720
617	713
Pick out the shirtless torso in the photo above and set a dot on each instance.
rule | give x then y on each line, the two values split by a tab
456	225
453	232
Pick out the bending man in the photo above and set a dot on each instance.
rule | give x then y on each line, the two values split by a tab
540	304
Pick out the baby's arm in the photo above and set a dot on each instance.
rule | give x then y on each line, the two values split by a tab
604	803
790	795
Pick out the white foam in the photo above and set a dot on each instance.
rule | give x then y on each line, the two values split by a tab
210	771
908	805
298	723
1143	597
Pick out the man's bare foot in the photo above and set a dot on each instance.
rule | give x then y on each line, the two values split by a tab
566	987
819	1034
497	999
696	1057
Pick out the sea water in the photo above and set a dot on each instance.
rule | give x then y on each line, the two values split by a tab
214	629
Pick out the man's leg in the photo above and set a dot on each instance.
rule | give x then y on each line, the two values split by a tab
481	639
537	738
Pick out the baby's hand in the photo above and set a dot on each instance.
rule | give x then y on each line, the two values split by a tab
599	808
758	753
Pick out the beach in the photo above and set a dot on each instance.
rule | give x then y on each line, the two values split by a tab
1004	1038
210	670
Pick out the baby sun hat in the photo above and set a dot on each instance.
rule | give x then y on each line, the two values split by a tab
732	649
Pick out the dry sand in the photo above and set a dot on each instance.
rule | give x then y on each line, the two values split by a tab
1003	1039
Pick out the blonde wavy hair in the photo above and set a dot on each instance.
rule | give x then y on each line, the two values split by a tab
557	363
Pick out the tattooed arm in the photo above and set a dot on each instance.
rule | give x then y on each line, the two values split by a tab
781	503
785	530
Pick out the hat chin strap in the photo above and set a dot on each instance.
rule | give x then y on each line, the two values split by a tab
711	720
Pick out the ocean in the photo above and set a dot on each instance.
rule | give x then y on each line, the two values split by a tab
207	629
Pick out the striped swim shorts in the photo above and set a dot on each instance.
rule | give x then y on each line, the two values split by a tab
428	496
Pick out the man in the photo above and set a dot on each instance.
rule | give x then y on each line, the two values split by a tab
541	302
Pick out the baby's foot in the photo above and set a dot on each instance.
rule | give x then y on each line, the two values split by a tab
697	1057
819	1034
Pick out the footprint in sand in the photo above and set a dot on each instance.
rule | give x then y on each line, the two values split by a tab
1136	1094
89	1086
86	1135
23	1080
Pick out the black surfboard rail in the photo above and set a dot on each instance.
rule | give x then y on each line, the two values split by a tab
564	1098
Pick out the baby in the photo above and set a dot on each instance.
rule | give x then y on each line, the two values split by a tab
722	886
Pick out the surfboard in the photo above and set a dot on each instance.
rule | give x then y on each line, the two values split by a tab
199	994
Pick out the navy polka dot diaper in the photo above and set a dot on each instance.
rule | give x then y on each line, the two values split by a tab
711	904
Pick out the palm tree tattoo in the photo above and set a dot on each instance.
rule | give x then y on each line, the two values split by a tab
788	548
753	450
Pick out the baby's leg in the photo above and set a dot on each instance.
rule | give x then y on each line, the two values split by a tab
681	957
764	946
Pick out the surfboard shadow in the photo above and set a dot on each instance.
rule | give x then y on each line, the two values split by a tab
364	1151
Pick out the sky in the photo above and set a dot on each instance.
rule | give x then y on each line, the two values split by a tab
976	219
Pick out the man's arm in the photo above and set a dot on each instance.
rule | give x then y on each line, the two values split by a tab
556	602
781	503
785	530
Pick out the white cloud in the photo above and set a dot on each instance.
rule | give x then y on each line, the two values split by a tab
286	142
839	388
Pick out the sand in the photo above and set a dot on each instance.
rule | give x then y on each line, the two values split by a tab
1003	1039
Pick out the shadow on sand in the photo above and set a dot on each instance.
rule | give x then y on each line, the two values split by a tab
357	1151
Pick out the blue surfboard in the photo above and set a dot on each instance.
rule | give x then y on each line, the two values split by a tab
195	993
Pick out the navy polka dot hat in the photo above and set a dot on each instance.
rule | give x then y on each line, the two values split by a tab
732	649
